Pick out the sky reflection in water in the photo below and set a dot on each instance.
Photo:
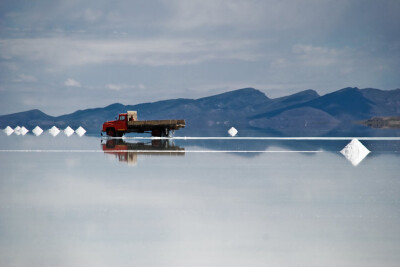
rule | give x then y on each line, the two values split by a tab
182	208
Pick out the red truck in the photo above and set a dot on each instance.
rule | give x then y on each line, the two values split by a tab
128	123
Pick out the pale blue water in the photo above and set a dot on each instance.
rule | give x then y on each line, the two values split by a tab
138	202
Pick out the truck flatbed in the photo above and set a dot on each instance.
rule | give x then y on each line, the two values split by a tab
172	124
155	125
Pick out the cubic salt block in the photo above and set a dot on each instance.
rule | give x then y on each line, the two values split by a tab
232	131
355	152
37	131
8	130
68	131
80	131
54	131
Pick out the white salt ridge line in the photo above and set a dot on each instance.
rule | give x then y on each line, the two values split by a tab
264	138
166	151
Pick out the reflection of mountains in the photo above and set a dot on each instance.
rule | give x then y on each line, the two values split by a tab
129	151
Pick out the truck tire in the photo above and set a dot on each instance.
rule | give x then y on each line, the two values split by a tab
156	132
165	132
111	132
161	132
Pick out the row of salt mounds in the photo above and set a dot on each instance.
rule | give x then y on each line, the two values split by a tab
18	130
54	131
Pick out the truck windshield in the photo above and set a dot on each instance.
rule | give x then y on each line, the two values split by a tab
122	118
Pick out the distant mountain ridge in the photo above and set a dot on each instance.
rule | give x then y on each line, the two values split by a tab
248	108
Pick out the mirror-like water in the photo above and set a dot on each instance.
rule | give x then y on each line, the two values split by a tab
85	201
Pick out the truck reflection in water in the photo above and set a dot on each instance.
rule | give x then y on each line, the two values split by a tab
129	151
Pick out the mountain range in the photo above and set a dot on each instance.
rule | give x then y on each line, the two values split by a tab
303	113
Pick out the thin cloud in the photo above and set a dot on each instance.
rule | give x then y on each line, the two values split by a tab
152	52
119	87
26	78
318	56
72	83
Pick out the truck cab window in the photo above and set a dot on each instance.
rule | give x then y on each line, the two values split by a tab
122	118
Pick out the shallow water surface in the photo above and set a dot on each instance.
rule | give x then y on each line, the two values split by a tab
86	201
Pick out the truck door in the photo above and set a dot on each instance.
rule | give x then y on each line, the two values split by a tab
121	123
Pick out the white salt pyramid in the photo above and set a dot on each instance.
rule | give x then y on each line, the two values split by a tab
23	130
37	131
232	131
17	130
355	152
80	131
8	130
54	131
68	131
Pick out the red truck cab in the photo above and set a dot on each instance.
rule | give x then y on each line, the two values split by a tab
117	127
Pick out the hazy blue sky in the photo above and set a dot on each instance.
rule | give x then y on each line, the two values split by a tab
60	56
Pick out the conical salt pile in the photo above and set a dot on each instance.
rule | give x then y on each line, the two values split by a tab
232	131
37	131
355	152
23	130
54	131
8	130
80	131
17	130
68	131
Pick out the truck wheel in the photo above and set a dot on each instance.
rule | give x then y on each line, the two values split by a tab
111	132
156	132
165	132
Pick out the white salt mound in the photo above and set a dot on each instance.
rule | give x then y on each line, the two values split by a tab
8	130
54	131
355	152
80	131
68	131
23	130
37	131
232	131
17	130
